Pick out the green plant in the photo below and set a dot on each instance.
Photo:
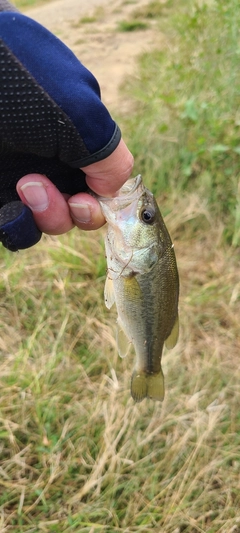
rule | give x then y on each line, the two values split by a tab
131	25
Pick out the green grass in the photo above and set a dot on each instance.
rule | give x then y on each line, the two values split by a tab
97	16
187	100
141	16
87	20
77	455
131	25
25	4
153	10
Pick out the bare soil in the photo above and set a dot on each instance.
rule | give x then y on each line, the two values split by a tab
100	46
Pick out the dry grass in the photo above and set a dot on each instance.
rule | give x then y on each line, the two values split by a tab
77	454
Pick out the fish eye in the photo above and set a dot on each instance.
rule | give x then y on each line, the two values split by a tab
148	215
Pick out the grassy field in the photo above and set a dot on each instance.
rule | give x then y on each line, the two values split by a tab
77	455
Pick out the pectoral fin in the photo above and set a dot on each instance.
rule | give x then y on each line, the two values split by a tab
123	342
109	295
171	341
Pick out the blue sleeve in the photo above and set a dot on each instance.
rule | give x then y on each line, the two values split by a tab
52	120
63	77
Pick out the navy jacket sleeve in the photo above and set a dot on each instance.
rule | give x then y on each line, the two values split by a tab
52	120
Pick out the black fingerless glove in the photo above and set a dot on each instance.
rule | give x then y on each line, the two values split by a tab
52	121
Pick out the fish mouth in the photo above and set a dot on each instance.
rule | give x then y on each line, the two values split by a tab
130	192
131	185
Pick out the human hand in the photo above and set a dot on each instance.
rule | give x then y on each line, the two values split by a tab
56	213
57	139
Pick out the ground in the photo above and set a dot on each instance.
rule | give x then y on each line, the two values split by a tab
108	53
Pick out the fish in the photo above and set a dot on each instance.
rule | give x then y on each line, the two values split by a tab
142	280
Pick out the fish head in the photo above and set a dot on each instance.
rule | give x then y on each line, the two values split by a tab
134	241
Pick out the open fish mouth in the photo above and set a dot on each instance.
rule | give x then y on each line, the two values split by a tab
130	192
131	185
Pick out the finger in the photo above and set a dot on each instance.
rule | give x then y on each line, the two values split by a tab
106	177
85	211
50	208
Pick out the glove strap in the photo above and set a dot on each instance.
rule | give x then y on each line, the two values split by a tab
18	229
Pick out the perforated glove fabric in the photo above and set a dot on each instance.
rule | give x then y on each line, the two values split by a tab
52	120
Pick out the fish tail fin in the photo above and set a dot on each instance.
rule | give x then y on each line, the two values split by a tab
145	385
155	386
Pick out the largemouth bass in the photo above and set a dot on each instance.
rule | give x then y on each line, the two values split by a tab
142	279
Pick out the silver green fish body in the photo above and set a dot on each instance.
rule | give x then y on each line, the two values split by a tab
143	281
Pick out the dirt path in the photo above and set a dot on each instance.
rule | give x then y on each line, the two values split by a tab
108	53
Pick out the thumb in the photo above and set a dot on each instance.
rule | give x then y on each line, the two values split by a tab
106	177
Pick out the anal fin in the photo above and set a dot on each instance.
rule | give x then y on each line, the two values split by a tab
171	341
123	343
